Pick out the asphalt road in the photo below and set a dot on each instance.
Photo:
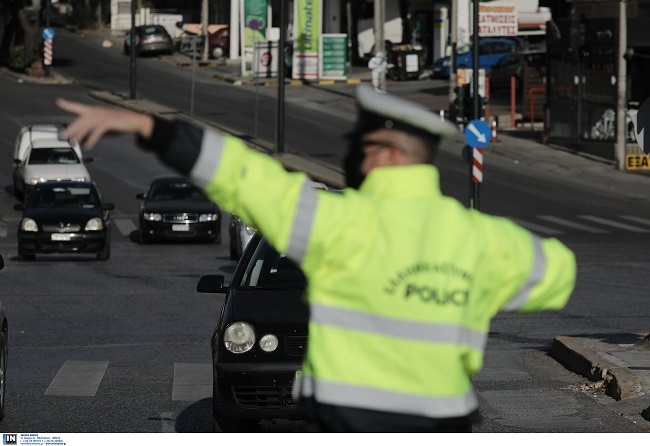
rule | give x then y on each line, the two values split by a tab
138	325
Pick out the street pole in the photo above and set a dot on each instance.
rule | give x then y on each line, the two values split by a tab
279	119
204	29
132	52
379	36
475	56
453	17
47	25
621	128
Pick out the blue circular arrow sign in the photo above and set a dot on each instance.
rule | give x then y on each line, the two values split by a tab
478	134
48	33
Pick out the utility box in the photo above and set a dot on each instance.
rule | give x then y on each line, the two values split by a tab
407	62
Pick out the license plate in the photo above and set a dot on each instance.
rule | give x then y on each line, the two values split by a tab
182	228
61	237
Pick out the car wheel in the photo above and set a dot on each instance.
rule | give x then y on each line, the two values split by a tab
144	239
225	424
27	257
17	193
217	52
3	370
106	252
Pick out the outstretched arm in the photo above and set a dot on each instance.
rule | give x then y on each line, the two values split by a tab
93	122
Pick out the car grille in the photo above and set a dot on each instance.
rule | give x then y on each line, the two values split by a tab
263	397
180	218
296	345
59	228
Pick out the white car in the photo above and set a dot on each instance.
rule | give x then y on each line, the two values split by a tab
54	159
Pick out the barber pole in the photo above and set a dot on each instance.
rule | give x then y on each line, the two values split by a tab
477	165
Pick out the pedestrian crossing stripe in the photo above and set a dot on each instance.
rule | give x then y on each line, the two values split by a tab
191	382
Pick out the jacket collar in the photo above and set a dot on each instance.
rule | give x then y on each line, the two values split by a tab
402	181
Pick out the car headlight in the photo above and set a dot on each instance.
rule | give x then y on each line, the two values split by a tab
208	217
239	337
269	343
35	180
28	225
249	230
152	216
79	179
95	224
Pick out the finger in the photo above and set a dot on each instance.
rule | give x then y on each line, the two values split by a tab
72	107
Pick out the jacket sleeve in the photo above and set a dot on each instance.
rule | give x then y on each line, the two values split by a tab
527	272
242	181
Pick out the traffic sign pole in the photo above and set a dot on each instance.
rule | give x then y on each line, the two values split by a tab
48	37
477	135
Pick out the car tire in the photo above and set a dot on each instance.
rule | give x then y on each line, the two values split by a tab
17	193
106	252
233	249
25	257
218	52
225	424
3	370
142	238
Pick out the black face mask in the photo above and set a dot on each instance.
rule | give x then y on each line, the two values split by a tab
352	164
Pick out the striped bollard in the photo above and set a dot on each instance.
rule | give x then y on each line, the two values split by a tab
47	51
477	165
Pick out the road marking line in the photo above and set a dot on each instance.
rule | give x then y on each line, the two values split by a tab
78	378
537	228
643	221
192	381
615	224
571	224
125	226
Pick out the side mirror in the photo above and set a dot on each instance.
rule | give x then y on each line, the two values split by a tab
17	161
140	196
211	284
19	207
108	206
179	25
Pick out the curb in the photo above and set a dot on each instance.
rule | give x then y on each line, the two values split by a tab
620	384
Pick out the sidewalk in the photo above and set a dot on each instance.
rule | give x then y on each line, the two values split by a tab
619	363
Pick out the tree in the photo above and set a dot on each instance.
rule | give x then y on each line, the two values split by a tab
21	29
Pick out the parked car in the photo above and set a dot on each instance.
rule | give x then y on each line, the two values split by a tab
175	209
491	50
27	135
513	65
64	217
4	353
240	234
149	39
259	340
48	159
219	43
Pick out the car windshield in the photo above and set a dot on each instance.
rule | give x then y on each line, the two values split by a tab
180	190
64	197
53	155
269	269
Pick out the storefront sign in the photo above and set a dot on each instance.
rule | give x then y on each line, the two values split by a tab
307	32
497	20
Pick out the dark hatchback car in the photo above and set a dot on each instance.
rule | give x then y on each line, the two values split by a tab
259	340
149	39
64	217
173	209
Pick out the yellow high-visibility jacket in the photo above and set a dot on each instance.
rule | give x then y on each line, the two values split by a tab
402	281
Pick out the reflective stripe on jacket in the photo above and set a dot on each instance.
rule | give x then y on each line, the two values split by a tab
403	281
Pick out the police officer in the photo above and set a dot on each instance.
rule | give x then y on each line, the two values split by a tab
403	281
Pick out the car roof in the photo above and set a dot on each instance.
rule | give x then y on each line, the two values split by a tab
50	142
